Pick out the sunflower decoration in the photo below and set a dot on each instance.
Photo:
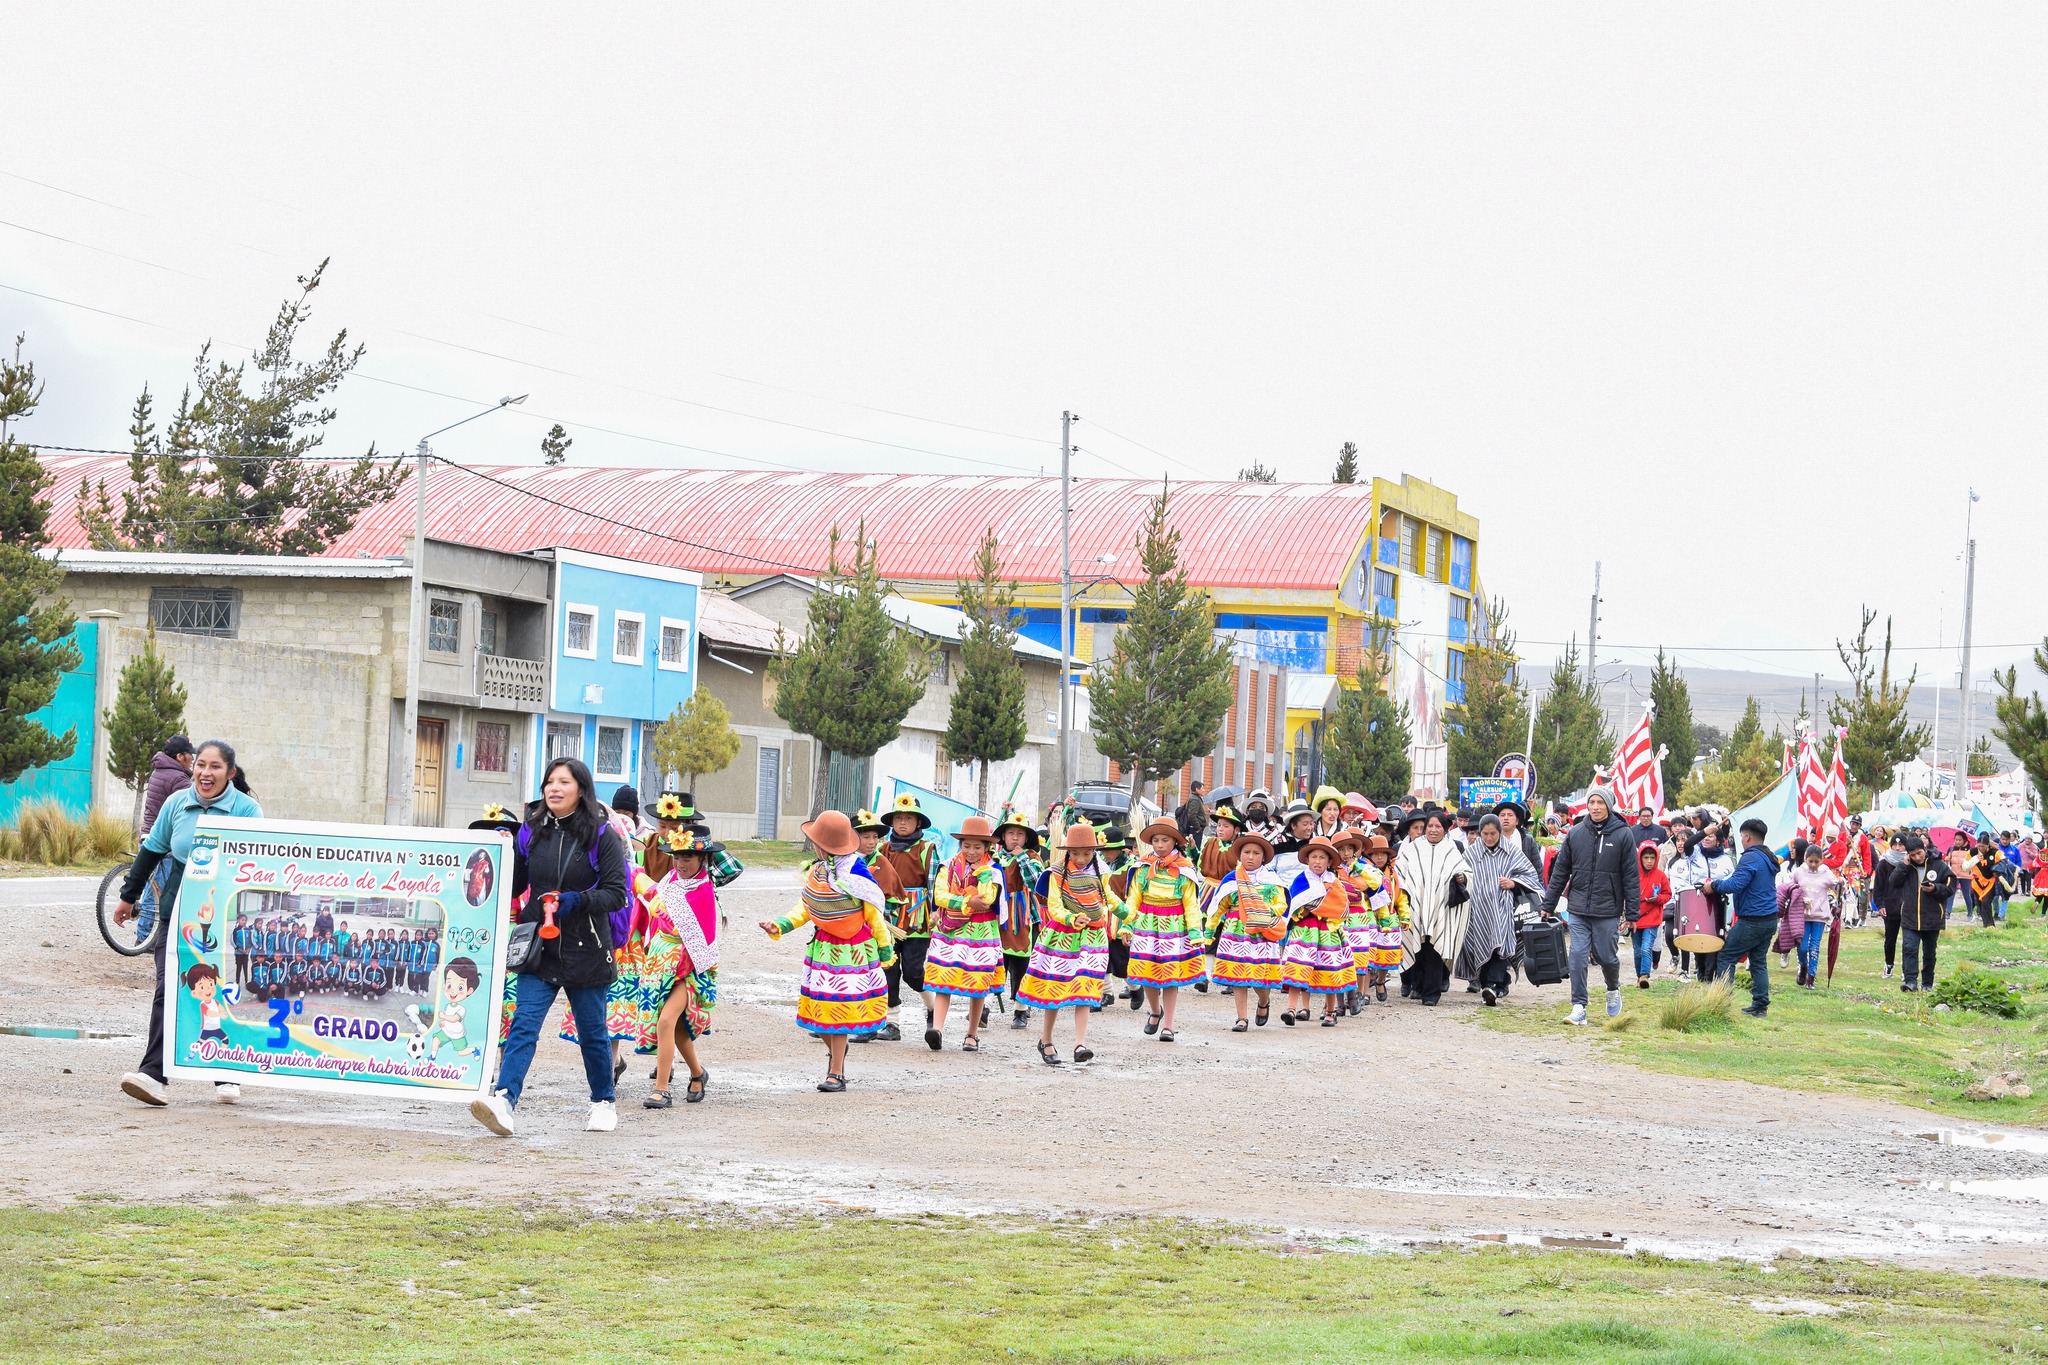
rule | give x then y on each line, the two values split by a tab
494	811
669	807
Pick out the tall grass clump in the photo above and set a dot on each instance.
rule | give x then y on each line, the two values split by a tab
44	832
1698	1007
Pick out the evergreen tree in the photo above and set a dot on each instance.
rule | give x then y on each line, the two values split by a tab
2022	724
986	724
1747	731
1257	472
1706	737
697	738
853	677
238	472
1983	763
1572	738
1366	746
36	648
1347	464
1874	712
1671	726
1494	717
554	447
1745	771
1161	698
149	708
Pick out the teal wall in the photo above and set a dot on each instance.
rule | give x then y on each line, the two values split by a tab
76	704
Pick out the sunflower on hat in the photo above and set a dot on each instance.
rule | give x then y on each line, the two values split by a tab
906	804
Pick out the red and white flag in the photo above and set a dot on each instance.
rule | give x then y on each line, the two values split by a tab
1835	813
1636	780
1813	788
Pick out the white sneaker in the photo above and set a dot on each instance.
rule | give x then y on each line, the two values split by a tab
1613	1003
1685	976
604	1117
227	1093
494	1113
148	1089
1578	1015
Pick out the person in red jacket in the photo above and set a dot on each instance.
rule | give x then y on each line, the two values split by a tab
1649	916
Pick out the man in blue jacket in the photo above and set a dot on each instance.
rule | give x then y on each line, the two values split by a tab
1752	889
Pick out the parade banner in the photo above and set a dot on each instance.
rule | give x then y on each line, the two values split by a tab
1522	771
1488	792
355	959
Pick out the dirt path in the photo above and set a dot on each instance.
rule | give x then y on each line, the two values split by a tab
1408	1124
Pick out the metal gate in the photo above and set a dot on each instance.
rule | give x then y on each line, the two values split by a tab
768	795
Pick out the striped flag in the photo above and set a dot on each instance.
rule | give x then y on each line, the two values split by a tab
1636	781
1835	814
1813	787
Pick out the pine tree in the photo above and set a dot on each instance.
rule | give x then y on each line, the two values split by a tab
554	448
1494	717
1983	763
1347	464
1257	472
1747	731
986	724
1572	738
238	472
2022	724
1365	749
36	649
149	708
854	676
1874	712
1161	698
1671	727
697	738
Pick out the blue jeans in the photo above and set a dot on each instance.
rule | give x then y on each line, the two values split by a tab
1751	937
532	998
1646	946
1809	948
145	904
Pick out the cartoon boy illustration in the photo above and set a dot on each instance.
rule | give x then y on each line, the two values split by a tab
458	982
204	982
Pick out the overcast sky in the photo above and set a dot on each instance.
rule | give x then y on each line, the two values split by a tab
1737	297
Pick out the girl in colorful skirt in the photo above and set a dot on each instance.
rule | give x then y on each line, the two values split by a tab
1071	957
1315	959
966	955
1388	909
1354	872
1019	857
1247	920
1164	924
674	946
843	991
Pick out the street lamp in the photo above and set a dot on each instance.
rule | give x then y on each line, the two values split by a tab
415	644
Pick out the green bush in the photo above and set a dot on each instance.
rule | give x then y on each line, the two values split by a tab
1970	989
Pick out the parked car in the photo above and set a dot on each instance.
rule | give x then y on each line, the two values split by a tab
1110	802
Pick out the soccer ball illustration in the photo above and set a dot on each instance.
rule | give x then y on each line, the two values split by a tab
416	1045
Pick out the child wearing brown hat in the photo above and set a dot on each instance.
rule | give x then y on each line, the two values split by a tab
965	960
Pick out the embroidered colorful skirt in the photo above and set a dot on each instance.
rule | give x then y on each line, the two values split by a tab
621	1001
1245	960
1162	954
967	961
663	966
1316	959
1385	954
842	989
1068	967
1358	927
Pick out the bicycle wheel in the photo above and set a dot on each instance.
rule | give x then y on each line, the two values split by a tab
122	938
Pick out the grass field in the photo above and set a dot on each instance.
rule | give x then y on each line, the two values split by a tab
768	852
1862	1035
279	1283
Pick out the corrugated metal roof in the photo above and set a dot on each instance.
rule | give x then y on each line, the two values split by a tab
1234	535
229	566
724	621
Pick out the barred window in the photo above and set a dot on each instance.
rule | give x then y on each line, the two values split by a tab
611	750
487	633
493	744
444	626
197	611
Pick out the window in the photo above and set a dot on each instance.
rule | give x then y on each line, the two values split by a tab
487	632
611	751
1434	566
942	667
1461	563
1382	583
1411	547
493	746
197	611
675	645
444	626
627	628
565	739
579	631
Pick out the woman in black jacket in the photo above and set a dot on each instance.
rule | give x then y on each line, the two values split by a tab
565	856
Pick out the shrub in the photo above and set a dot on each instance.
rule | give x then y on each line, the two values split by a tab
44	832
1697	1007
1970	989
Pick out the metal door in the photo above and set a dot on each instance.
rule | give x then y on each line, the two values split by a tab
768	795
426	771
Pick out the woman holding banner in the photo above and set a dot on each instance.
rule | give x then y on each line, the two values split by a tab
218	788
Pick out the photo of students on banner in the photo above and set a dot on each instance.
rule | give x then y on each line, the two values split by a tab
338	957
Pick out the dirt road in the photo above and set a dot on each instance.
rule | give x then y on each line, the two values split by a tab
1408	1124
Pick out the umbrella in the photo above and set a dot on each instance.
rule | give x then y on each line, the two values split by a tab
1223	794
1834	947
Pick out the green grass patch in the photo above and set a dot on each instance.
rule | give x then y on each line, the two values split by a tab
768	852
1859	1035
371	1283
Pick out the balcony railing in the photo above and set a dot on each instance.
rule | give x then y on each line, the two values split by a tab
521	682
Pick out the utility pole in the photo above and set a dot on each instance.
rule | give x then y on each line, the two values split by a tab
1067	420
1963	702
1593	632
1934	742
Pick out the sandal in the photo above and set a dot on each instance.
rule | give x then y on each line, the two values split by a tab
1166	1035
1048	1054
970	1044
1240	1027
1137	999
1329	1021
1265	1013
618	1069
833	1083
657	1099
1083	1053
699	1083
1380	994
1152	1023
1287	1017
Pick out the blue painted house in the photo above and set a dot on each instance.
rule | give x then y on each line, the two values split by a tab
624	652
75	708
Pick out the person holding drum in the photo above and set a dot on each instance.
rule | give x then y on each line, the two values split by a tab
1701	917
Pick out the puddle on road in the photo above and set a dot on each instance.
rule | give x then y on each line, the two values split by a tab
2004	1142
2033	1189
42	1031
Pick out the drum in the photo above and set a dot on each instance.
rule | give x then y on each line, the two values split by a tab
1696	928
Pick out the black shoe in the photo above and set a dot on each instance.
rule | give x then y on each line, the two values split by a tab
699	1084
1048	1054
1152	1023
1137	999
887	1033
1487	996
1201	988
934	1039
1083	1053
1755	1011
862	1038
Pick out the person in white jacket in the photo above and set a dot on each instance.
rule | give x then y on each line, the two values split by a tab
1706	859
